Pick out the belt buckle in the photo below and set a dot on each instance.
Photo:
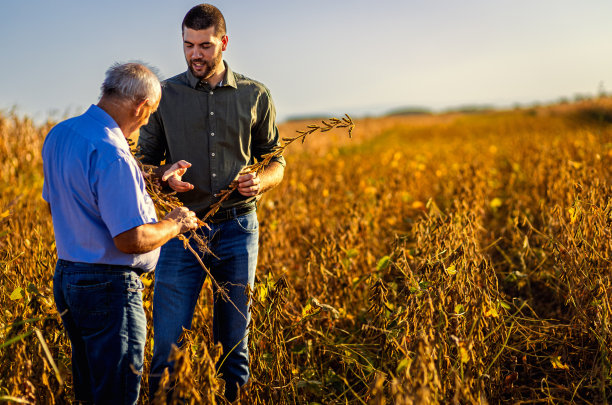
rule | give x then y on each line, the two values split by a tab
220	216
227	214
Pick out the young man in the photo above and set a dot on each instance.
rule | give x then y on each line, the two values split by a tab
106	234
221	121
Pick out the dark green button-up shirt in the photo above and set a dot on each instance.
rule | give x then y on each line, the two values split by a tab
219	131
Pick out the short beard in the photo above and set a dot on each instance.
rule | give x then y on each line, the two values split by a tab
211	66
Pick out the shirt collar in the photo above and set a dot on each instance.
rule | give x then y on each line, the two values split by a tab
228	79
101	116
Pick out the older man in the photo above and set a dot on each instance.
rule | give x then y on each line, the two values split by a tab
106	233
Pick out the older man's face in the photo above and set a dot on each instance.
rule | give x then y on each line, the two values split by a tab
145	112
140	116
203	51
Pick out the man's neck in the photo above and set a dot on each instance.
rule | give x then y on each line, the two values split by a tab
215	79
118	111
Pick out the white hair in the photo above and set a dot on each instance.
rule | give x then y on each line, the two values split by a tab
134	81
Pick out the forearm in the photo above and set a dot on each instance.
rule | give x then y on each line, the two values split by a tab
147	237
271	176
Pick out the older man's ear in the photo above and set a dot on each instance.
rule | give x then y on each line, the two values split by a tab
140	107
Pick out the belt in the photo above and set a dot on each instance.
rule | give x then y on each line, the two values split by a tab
99	266
230	213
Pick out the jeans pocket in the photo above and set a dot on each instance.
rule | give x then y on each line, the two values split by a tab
89	304
247	223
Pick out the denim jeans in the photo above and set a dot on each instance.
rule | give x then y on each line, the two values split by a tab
101	309
178	281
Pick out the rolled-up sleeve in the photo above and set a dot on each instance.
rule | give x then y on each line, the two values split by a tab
122	198
265	134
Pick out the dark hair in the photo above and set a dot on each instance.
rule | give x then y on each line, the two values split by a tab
204	16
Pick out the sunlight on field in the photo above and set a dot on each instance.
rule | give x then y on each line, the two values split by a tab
429	259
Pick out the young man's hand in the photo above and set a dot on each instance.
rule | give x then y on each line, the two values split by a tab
175	174
249	184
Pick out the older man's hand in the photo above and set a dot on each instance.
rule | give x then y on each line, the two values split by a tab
185	218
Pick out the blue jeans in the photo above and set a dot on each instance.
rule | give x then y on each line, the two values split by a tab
178	282
101	309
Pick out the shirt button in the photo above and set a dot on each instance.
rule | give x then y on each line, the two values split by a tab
212	154
212	134
212	113
211	93
214	175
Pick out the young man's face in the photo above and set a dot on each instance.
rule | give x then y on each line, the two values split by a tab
203	51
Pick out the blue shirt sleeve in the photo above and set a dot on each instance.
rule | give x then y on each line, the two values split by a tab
122	198
45	191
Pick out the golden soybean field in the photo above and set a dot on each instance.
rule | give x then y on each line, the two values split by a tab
451	258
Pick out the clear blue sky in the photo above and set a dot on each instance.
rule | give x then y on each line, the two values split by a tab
318	56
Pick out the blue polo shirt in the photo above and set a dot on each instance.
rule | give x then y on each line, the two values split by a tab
95	189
